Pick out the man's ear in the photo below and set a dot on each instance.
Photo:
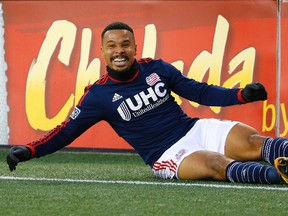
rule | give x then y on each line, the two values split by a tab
135	49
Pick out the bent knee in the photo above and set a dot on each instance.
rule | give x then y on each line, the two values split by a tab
244	143
256	140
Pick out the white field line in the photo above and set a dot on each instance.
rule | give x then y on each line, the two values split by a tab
146	183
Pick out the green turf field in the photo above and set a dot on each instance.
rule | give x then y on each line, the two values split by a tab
120	184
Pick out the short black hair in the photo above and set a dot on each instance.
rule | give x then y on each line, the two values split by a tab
116	25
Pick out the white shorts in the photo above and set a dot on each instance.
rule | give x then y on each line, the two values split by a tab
206	134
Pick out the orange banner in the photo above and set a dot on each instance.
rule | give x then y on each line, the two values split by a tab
52	50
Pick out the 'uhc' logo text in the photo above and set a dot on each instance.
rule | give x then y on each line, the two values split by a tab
143	102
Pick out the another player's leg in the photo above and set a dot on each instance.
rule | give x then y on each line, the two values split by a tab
281	164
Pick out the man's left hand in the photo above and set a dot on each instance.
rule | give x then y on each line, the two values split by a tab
254	92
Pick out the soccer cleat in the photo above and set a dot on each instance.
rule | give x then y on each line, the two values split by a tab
281	164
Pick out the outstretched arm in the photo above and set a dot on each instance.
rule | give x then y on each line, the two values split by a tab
84	116
213	95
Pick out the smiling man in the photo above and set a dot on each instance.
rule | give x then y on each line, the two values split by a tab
119	49
134	97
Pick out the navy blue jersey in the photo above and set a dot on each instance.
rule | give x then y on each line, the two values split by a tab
141	110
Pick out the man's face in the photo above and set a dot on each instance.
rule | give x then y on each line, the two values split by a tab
118	49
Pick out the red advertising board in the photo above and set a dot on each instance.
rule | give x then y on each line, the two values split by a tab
283	115
52	49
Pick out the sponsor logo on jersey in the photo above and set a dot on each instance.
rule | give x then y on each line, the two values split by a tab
145	100
75	113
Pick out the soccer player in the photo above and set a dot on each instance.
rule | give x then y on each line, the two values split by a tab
134	97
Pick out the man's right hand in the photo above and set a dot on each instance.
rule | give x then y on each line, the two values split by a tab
17	154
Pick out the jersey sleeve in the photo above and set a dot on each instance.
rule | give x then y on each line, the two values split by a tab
82	118
201	92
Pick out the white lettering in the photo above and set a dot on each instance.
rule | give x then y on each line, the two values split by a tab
145	97
136	105
158	90
138	101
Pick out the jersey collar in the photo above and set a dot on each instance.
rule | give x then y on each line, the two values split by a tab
127	75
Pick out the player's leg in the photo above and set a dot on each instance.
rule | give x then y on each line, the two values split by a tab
273	148
244	143
212	165
202	165
200	154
